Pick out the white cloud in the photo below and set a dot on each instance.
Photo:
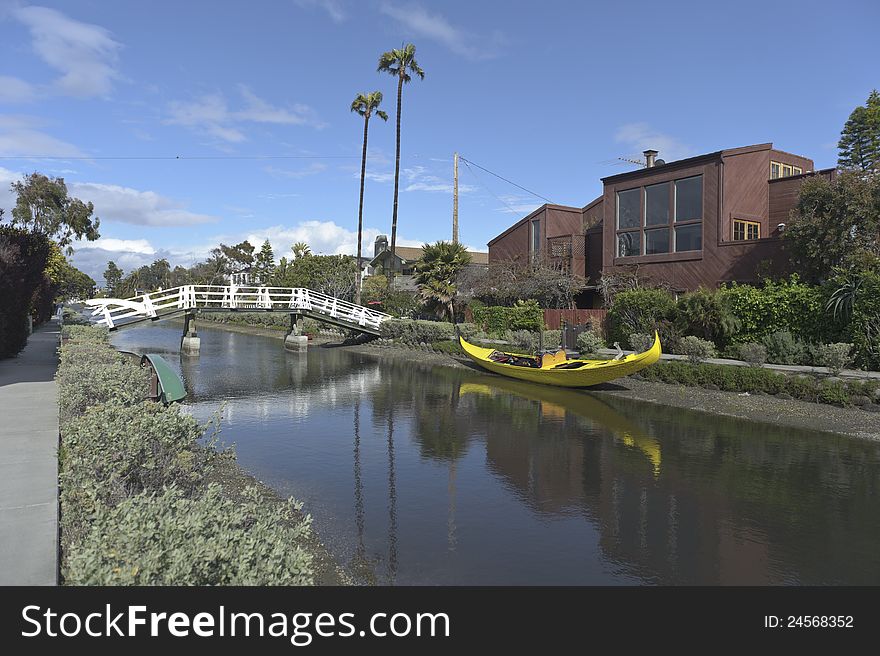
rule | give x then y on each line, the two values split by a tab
641	136
85	54
419	179
125	205
135	246
14	90
211	114
333	8
323	237
519	205
420	22
19	136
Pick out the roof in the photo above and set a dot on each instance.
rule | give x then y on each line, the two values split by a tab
543	207
413	254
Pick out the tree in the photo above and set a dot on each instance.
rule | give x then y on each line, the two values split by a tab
509	281
112	277
859	145
436	275
264	264
300	249
399	62
44	206
364	105
239	256
836	223
334	275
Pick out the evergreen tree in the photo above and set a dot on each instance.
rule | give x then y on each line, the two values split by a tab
112	276
264	264
859	145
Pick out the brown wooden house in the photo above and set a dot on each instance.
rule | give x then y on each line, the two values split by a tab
700	221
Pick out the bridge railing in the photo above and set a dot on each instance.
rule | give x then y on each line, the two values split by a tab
233	297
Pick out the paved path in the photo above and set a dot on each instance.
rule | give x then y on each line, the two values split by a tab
29	462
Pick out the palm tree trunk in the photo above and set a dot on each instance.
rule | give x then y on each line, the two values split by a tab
357	291
396	174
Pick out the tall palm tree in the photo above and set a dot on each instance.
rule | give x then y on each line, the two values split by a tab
300	249
364	104
399	62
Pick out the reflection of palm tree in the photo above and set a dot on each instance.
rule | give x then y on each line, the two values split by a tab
358	486
392	508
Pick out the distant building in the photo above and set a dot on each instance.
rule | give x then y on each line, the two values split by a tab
404	261
700	221
242	277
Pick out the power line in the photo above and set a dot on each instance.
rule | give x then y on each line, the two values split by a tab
506	180
179	157
480	182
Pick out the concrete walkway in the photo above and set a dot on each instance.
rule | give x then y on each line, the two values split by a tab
29	462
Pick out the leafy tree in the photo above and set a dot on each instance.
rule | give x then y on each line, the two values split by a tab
835	223
334	275
399	62
509	281
44	206
239	256
112	276
300	249
859	145
66	281
264	264
364	105
436	275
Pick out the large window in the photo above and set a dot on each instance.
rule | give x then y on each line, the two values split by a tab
670	219
743	230
781	170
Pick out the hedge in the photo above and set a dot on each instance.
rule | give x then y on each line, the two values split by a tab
496	320
23	258
137	506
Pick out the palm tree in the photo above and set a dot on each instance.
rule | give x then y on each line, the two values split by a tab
399	62
436	275
364	104
300	249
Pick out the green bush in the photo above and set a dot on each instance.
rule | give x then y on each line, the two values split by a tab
783	348
865	321
552	339
496	320
754	354
169	539
471	331
448	346
639	311
589	342
640	342
706	314
23	259
70	317
785	305
524	340
415	331
697	349
836	357
91	372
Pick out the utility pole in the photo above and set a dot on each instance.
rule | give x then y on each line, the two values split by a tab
455	198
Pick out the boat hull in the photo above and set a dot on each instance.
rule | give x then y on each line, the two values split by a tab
593	372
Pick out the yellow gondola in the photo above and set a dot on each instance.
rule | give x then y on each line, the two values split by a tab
557	369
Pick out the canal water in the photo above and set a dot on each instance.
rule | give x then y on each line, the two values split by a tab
421	475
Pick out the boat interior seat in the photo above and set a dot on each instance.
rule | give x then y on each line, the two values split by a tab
550	360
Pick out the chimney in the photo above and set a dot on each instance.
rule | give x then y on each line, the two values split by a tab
380	245
649	158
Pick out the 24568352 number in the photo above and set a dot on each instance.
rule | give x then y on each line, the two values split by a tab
820	621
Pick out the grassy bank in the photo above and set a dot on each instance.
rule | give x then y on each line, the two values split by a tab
140	498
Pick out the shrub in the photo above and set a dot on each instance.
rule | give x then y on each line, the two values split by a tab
92	372
416	330
754	354
552	339
836	357
785	305
589	342
524	340
697	349
168	539
831	391
706	314
70	317
23	259
783	348
471	331
638	311
496	320
640	342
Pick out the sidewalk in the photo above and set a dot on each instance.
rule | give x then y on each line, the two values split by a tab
29	462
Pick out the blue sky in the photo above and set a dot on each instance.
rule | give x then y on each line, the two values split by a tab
549	95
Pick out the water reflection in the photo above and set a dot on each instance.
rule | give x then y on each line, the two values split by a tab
424	475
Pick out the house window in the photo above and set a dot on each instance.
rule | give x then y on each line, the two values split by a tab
796	170
780	170
786	170
775	170
536	237
743	230
671	218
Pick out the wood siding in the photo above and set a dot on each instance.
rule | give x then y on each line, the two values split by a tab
784	195
553	318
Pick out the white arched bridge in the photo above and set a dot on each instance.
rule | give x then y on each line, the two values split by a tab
187	300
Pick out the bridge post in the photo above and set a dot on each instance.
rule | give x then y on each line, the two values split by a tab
190	343
295	340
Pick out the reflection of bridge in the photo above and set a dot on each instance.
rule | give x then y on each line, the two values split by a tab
117	313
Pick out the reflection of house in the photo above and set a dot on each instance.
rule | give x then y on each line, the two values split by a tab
695	222
404	261
242	277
